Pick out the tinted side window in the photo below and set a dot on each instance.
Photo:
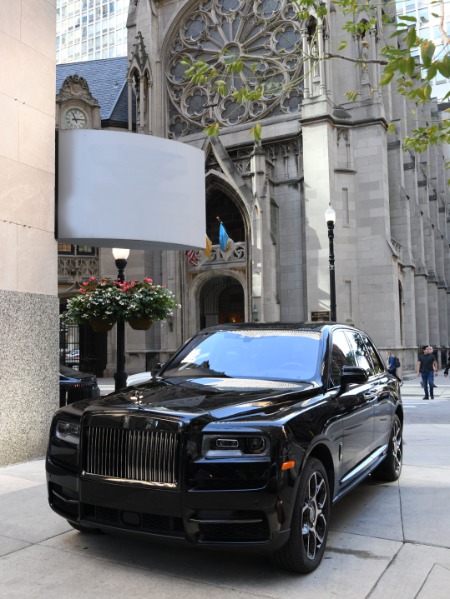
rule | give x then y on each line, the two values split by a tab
341	355
378	365
359	350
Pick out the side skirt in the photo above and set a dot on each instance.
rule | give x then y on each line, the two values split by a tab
362	471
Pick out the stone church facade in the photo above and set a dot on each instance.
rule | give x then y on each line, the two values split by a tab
317	148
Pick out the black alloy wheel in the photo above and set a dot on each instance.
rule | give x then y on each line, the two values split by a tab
391	467
305	547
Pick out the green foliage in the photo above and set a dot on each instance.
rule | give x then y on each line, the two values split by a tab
422	137
352	95
145	299
212	130
256	131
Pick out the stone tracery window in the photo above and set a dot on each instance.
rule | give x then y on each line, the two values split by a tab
265	34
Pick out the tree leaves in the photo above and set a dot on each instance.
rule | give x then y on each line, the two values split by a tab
410	62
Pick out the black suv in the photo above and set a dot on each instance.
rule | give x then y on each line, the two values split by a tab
245	438
75	385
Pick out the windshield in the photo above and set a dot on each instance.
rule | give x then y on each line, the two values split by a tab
257	354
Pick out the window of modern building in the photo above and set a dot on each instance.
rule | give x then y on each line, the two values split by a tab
102	16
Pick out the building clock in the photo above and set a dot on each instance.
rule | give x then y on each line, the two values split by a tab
75	118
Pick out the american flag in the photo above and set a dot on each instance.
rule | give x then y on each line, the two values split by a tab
192	257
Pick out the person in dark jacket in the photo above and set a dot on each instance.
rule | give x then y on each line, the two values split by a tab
427	368
392	365
447	367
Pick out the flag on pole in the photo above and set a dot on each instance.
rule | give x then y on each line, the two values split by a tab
208	247
191	257
223	238
205	254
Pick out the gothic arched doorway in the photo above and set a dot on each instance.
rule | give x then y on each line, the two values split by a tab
219	205
221	301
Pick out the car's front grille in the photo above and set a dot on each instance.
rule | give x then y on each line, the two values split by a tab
139	455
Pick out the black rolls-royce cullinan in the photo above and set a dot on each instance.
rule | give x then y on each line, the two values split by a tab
245	438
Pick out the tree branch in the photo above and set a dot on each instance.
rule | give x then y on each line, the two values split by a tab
328	55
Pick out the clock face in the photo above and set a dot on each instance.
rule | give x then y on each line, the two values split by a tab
75	118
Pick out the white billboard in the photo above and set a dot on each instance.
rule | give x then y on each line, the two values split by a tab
120	189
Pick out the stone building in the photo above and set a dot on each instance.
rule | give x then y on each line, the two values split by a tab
317	148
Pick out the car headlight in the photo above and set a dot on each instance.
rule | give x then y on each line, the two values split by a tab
68	431
232	446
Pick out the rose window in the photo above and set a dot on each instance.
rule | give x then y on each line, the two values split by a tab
264	34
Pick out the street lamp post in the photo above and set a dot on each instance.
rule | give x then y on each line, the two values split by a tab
330	217
120	376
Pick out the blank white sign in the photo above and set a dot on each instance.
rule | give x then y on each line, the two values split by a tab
120	189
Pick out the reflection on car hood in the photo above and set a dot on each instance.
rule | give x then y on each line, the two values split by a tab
221	398
235	384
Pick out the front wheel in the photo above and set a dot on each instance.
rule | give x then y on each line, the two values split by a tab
305	547
391	467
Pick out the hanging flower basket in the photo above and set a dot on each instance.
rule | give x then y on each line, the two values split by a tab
101	326
97	303
147	300
103	303
140	324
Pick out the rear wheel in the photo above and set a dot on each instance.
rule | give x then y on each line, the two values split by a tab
305	547
391	467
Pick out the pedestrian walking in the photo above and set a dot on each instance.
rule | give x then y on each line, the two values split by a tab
427	368
393	363
447	366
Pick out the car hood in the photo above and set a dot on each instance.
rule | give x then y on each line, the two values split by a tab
220	398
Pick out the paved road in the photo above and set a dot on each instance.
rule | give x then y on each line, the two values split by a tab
386	541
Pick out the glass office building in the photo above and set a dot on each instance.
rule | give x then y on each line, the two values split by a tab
90	29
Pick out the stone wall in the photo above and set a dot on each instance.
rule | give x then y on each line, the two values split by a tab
28	374
28	267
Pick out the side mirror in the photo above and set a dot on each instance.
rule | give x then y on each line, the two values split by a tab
353	375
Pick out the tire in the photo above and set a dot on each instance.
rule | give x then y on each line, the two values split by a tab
391	467
305	547
86	529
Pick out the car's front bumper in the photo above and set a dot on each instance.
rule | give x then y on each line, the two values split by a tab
250	518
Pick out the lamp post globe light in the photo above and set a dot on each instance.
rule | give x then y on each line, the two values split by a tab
330	218
121	258
120	376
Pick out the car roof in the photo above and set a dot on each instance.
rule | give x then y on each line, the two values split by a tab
281	326
72	373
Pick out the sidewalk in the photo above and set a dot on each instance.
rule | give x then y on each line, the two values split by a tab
411	386
106	385
386	541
